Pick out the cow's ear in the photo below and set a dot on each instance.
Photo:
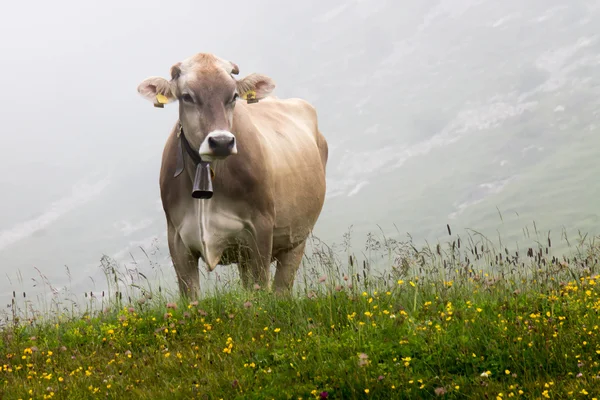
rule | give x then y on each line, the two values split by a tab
255	86
157	89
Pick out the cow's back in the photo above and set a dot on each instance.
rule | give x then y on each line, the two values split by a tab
296	155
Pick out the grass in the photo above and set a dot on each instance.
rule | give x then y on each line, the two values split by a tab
462	320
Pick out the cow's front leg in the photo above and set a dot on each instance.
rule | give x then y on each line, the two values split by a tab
185	262
259	260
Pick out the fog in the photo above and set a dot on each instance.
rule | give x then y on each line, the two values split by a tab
478	114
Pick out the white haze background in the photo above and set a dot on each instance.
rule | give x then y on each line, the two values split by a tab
435	111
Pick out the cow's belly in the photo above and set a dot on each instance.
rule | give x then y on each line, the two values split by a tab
208	226
298	207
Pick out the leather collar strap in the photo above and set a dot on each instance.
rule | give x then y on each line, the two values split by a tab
182	144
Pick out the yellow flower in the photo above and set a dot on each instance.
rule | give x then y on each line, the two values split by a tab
367	391
277	330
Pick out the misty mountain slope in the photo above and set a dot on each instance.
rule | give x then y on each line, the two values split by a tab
436	112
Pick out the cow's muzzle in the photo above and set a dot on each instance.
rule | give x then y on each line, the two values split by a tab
218	145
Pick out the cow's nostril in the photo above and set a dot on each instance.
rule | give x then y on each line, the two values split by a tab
221	142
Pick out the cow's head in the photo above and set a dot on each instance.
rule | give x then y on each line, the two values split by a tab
207	93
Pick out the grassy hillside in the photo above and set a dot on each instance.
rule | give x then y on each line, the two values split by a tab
460	320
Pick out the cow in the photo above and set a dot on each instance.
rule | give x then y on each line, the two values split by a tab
241	181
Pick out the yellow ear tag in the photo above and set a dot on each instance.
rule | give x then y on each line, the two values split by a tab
250	96
161	100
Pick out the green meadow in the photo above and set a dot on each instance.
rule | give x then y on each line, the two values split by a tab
462	319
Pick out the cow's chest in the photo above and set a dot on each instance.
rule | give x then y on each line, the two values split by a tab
209	226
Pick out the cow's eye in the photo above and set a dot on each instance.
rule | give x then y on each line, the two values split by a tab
235	97
187	98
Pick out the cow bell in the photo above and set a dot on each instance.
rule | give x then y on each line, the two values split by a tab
203	188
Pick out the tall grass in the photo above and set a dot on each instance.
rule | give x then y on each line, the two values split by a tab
467	318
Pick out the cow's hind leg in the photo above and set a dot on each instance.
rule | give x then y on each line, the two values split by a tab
185	262
288	262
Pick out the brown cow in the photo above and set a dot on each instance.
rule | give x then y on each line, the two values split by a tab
267	160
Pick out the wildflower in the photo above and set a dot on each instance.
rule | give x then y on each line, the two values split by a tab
322	279
172	305
400	282
229	344
363	359
276	330
367	391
